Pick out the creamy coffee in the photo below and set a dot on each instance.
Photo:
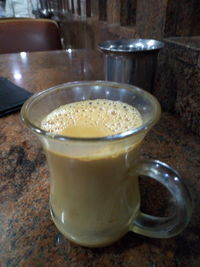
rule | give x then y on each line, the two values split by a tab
92	118
94	191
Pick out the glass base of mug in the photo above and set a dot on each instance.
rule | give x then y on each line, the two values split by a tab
91	242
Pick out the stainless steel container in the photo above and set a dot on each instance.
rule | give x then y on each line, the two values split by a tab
131	61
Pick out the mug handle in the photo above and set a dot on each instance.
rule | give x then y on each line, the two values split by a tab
164	227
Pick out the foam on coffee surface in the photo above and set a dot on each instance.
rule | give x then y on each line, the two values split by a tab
92	118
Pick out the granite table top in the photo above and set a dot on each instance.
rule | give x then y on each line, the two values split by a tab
28	236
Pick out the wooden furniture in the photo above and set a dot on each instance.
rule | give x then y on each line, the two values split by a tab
26	34
28	237
85	23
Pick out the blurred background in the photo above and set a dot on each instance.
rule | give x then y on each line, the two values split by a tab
86	23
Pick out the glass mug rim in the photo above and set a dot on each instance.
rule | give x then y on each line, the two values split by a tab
145	126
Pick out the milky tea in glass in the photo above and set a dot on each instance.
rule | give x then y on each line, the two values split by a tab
92	149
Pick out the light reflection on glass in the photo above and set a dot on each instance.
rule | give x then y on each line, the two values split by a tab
63	217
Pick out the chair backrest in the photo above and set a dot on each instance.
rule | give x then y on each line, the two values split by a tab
17	35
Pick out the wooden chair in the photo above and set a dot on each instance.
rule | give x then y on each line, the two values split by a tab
26	34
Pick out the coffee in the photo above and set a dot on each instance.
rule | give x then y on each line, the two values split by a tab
92	118
94	191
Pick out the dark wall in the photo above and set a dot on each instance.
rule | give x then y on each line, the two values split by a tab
182	18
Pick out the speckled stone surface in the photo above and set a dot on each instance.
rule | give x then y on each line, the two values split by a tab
28	236
178	78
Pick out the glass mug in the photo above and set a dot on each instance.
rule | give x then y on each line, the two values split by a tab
95	200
